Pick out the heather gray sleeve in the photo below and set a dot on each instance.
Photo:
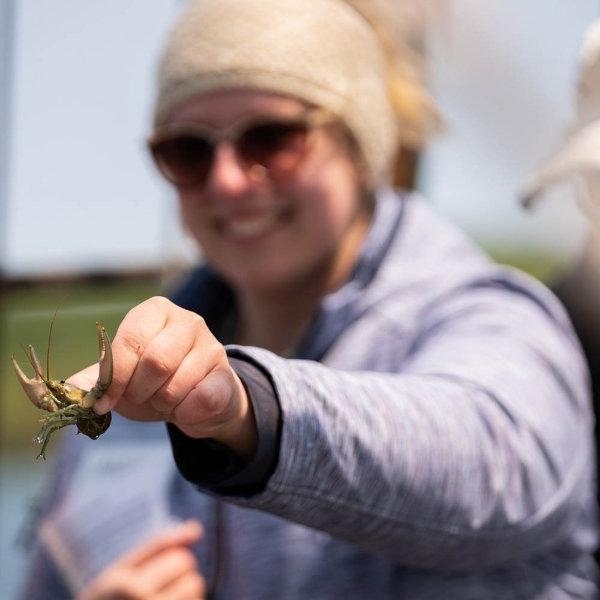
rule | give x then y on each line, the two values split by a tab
475	450
214	466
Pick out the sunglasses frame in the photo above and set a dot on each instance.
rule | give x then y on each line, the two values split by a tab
313	119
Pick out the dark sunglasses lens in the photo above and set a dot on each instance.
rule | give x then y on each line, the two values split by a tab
276	146
184	160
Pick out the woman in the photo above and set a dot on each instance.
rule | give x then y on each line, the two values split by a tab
384	411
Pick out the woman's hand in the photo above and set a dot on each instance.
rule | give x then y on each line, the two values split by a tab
162	568
168	366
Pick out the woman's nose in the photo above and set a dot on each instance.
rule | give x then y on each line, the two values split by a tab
228	175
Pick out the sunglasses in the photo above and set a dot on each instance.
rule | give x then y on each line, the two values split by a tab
184	153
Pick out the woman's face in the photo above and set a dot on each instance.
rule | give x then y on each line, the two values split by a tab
273	233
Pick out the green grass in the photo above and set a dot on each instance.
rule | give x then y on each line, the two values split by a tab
545	267
27	313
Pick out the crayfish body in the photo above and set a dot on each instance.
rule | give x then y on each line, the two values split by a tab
67	403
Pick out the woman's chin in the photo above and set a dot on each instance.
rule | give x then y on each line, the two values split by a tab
258	277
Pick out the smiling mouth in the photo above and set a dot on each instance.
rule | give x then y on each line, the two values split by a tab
247	227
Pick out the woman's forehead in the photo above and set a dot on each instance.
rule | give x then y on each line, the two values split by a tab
227	105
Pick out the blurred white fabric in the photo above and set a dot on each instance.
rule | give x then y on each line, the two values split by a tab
579	156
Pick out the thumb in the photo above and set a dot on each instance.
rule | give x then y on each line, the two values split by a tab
86	378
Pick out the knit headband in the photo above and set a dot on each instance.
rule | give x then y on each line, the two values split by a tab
323	52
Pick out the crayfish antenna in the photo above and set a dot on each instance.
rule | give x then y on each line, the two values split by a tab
49	342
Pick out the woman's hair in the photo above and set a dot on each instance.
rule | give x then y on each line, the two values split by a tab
400	30
346	56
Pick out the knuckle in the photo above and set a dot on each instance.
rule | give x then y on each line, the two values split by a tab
132	341
155	306
165	400
164	409
215	354
196	322
169	395
157	363
215	401
159	302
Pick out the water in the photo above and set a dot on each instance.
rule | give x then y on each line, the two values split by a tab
22	481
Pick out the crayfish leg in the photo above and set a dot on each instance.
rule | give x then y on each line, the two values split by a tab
51	424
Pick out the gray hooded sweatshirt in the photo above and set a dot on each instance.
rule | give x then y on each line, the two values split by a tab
430	438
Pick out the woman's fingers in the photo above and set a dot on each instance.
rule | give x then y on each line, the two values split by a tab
192	369
185	534
160	360
162	567
147	349
140	325
218	407
168	366
207	404
165	566
190	586
165	569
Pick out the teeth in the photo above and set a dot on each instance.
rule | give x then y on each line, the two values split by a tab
249	227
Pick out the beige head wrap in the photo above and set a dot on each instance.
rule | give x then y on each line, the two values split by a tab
324	52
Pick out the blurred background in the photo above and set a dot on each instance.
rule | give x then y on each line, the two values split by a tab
87	227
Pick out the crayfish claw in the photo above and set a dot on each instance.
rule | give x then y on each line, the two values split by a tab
34	362
105	363
36	389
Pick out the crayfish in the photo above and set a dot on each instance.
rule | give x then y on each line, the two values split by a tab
67	403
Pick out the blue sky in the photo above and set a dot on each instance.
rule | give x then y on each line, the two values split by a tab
81	193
